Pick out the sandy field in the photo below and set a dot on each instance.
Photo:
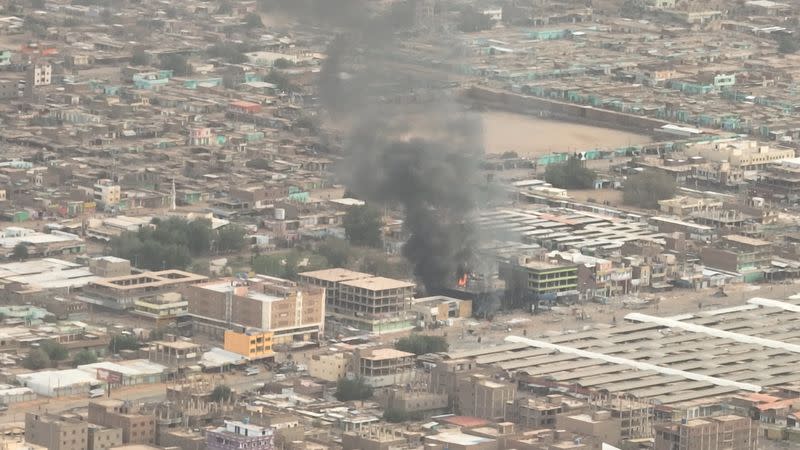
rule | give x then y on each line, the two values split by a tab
529	135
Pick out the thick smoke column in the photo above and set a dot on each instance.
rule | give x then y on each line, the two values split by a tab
429	177
422	157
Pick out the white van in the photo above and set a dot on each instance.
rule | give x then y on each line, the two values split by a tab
252	371
99	392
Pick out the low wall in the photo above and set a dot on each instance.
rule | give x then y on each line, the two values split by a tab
525	104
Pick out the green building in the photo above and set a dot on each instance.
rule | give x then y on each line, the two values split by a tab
532	282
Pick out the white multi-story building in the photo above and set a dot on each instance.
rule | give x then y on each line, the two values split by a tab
107	193
42	74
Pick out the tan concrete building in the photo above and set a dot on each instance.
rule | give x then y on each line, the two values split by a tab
56	432
123	292
182	438
101	438
330	366
110	266
599	424
382	367
747	154
290	311
415	403
136	428
373	438
329	280
376	304
480	396
535	412
445	375
728	432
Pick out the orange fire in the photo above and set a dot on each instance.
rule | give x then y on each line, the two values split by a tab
462	282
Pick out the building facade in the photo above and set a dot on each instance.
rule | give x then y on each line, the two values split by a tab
281	307
123	292
253	343
101	438
728	432
375	304
480	396
530	281
385	367
107	193
237	435
56	433
136	428
739	254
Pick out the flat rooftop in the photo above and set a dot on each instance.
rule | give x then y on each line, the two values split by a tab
149	280
384	353
672	360
458	438
746	240
335	275
378	284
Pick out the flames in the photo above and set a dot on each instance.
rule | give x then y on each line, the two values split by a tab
462	282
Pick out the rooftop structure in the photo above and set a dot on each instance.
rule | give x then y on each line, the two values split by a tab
385	367
236	435
123	292
364	301
281	307
667	360
562	229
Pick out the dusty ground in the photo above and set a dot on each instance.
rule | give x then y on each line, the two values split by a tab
529	135
612	196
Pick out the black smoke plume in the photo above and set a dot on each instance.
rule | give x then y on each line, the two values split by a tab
422	157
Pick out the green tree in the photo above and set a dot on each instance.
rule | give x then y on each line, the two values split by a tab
362	226
377	262
647	188
292	265
170	246
282	265
787	44
199	234
178	64
20	252
37	359
272	265
348	389
281	81
55	351
225	7
253	20
395	415
509	155
157	334
282	63
231	238
258	163
337	252
229	52
420	344
221	393
123	342
50	318
470	21
140	58
84	357
570	174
